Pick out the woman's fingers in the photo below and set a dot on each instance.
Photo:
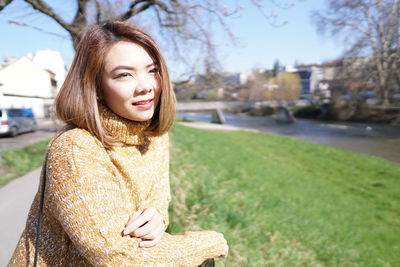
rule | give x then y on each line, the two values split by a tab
158	231
145	222
135	215
145	229
138	221
149	243
225	250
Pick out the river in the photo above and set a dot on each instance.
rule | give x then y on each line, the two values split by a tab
372	139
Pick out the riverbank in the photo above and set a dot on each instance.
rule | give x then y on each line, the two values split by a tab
337	114
350	113
371	139
283	202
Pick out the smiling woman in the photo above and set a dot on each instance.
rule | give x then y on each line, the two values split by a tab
130	82
104	196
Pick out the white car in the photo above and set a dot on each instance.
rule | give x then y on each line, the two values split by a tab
16	120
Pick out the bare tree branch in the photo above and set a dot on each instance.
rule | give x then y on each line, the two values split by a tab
134	9
371	27
80	16
38	29
187	23
42	7
99	11
4	3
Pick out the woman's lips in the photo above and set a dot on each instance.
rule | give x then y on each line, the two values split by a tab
144	104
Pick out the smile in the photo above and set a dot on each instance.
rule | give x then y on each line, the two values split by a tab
144	104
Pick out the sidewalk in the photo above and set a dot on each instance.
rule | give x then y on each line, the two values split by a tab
217	127
15	200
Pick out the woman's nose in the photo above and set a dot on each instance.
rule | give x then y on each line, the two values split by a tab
144	85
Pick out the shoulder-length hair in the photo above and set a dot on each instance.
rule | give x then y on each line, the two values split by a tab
77	103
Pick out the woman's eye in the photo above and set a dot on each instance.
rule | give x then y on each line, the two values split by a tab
123	75
154	71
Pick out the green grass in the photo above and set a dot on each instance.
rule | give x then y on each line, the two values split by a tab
17	162
183	120
283	202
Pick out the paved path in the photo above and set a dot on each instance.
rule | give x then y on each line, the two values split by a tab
218	127
15	200
44	130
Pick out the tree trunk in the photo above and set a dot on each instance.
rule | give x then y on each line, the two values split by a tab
384	87
385	97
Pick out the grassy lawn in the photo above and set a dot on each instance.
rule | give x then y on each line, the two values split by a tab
279	201
283	202
17	162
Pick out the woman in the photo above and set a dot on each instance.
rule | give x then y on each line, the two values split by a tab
107	178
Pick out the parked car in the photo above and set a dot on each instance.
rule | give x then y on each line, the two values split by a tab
16	120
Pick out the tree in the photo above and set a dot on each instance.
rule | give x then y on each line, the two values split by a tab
212	77
276	68
257	85
371	29
284	87
182	23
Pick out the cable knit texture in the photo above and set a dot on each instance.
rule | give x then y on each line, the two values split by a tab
90	194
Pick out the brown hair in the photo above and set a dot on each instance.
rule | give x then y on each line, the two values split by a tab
78	99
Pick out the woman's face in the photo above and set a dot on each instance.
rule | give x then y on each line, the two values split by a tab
130	84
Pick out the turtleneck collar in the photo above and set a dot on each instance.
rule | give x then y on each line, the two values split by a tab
125	131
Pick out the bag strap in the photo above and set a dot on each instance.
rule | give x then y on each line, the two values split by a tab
41	200
208	263
40	216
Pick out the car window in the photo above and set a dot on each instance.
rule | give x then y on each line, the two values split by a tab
14	113
27	112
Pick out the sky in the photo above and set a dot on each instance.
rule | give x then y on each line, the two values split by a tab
260	44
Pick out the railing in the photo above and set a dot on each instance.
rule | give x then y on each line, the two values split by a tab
214	105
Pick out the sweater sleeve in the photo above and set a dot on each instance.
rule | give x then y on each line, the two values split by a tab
160	195
83	194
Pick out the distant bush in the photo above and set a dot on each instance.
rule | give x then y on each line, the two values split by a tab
263	111
311	112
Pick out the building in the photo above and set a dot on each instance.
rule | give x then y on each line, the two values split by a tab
235	79
315	79
32	81
52	61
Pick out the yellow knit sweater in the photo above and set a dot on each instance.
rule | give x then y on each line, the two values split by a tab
90	194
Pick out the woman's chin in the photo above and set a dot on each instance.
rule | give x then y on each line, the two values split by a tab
142	116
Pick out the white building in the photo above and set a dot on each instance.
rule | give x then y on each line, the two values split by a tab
32	82
313	78
51	60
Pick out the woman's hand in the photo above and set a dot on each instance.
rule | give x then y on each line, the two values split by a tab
225	248
146	224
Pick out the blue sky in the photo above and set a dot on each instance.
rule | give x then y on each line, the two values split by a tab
260	44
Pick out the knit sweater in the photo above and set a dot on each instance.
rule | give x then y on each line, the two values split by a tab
90	194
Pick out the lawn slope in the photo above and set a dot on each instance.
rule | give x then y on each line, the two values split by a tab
283	202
